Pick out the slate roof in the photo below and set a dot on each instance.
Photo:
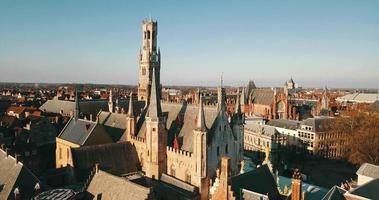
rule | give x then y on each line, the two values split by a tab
113	123
115	158
116	120
92	107
359	98
77	131
313	192
259	180
262	129
113	187
14	175
318	124
56	194
250	195
370	170
368	190
262	96
283	123
335	193
185	114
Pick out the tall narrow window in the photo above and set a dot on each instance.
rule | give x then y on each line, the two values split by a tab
226	148
60	153
218	151
148	34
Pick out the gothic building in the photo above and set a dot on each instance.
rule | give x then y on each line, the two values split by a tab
181	140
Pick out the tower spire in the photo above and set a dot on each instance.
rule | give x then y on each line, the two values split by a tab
110	101
131	110
200	123
154	102
238	104
76	113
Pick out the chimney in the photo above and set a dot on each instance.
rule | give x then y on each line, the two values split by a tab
7	151
37	188
96	168
3	147
296	186
90	117
87	126
17	195
17	157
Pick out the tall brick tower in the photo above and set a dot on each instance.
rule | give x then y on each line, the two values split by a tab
149	59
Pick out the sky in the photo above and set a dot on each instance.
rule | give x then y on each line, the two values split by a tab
332	43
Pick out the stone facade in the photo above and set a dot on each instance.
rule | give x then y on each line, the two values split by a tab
149	59
148	132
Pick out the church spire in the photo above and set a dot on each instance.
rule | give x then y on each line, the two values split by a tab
242	99
221	96
154	102
131	110
110	101
200	123
76	113
237	108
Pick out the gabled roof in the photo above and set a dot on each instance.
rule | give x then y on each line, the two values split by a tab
370	170
14	174
262	96
335	193
368	190
77	131
115	158
319	124
92	107
181	121
259	180
113	187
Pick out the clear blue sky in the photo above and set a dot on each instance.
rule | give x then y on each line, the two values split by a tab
334	43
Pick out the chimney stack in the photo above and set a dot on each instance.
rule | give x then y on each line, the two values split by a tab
296	186
37	188
17	195
17	157
96	168
7	151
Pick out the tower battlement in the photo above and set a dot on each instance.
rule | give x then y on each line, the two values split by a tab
172	150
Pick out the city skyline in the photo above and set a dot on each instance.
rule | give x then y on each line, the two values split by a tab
317	44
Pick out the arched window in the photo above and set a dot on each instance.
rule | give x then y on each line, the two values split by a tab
148	34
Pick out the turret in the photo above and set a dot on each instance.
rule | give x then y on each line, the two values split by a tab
200	152
131	119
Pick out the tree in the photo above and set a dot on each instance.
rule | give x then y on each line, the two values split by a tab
360	136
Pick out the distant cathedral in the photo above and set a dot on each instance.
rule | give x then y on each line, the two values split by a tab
149	59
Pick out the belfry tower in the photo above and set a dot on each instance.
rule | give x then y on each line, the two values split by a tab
149	59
